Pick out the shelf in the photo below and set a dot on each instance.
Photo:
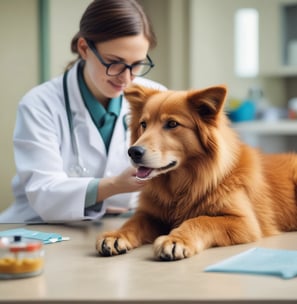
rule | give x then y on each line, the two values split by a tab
260	127
283	71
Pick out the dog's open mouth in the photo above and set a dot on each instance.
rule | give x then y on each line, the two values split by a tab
144	173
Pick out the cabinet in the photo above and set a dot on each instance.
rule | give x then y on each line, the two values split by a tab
276	38
289	47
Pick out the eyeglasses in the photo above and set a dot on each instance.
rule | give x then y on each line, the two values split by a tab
118	67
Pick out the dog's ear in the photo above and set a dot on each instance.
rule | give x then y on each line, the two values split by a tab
206	106
137	96
208	102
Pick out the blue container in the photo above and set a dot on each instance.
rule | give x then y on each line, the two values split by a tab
244	112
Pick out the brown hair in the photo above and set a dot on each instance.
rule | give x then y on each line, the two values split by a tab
105	20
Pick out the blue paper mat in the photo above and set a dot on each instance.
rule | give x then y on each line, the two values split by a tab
261	261
45	237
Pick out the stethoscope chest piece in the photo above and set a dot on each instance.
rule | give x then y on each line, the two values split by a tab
78	171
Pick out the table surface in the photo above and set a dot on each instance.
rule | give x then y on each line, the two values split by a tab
74	272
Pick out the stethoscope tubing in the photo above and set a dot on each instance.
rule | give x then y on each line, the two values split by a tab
69	115
77	169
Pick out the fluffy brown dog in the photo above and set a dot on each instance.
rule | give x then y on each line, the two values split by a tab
205	187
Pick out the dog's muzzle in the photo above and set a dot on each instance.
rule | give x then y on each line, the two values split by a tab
137	154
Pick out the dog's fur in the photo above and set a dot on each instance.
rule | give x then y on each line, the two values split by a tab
206	188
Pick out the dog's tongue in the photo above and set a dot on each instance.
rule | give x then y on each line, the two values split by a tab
143	172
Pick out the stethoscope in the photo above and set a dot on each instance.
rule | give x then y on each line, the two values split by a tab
77	169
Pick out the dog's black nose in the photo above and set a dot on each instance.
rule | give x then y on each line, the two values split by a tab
136	153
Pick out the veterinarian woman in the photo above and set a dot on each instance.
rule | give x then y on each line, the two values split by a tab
70	138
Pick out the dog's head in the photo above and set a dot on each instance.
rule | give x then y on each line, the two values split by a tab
169	129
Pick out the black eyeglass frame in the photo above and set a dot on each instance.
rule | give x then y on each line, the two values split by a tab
93	48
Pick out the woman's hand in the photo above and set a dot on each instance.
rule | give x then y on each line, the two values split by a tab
127	181
122	183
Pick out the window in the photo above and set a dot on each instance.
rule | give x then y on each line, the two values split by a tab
246	42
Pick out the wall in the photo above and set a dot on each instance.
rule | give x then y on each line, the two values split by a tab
18	73
171	56
158	14
61	32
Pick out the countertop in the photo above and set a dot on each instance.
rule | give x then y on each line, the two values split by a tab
75	273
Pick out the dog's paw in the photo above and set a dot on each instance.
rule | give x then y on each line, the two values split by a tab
168	248
112	244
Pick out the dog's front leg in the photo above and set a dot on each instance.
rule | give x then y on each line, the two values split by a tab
138	230
197	234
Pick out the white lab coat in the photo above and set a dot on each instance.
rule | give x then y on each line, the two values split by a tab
44	155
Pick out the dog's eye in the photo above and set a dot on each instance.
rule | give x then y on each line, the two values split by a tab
171	124
143	124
